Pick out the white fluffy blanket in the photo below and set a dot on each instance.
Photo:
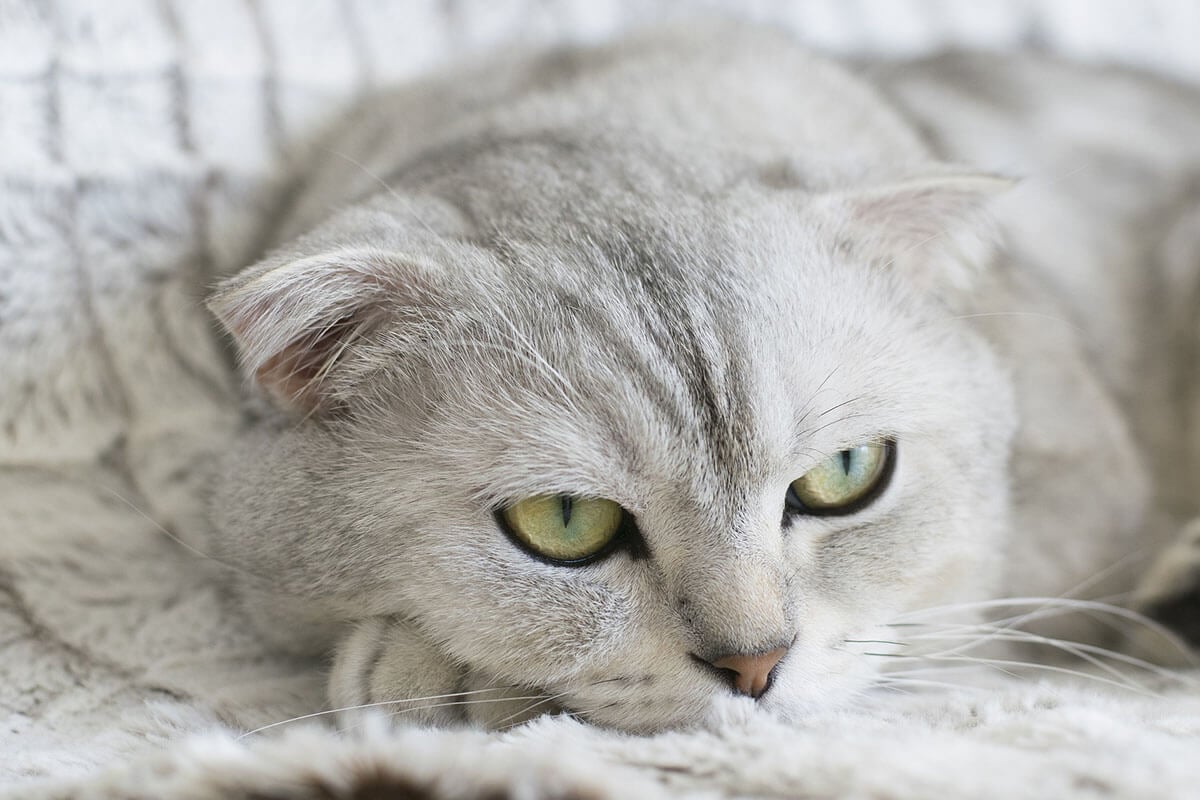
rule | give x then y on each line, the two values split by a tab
141	144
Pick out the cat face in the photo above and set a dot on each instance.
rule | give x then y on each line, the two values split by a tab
686	358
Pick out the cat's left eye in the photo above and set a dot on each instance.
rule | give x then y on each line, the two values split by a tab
564	528
844	482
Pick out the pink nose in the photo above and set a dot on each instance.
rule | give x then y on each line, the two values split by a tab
751	673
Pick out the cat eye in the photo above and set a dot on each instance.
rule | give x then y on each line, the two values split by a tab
845	482
564	528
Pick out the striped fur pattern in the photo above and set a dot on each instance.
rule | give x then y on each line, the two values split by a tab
675	273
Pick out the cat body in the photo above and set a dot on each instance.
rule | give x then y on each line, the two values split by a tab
679	273
1102	235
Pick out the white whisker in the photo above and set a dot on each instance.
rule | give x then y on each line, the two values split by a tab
1048	607
1003	665
1084	652
378	704
1032	314
525	710
889	681
188	547
388	188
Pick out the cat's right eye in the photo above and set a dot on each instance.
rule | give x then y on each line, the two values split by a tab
844	482
563	528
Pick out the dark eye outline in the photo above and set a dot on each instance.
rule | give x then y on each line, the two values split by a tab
793	506
627	537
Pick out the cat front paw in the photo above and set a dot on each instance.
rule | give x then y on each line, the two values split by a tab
387	668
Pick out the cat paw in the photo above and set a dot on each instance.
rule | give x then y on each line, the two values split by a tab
1169	594
387	668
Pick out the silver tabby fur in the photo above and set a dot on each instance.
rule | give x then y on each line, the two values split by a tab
675	272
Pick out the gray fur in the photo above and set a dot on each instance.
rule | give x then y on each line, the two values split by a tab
674	272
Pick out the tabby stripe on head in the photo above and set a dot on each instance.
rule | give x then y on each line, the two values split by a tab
716	383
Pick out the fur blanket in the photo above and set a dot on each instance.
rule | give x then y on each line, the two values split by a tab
142	146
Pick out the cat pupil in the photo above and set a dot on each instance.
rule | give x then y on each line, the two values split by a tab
566	510
847	456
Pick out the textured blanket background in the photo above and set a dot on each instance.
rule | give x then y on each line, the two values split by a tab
142	143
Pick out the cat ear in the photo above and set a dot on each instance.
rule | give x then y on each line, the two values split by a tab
293	320
932	225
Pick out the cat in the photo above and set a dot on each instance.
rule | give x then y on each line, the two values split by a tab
648	381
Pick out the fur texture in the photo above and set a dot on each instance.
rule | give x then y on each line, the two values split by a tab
1024	740
140	140
678	273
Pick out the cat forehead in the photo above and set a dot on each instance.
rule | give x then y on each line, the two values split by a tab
626	370
679	333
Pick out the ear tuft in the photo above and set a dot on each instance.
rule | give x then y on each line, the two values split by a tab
293	321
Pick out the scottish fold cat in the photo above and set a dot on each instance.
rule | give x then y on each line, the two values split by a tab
654	382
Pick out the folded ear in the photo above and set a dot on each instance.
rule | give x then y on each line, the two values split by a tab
293	320
932	225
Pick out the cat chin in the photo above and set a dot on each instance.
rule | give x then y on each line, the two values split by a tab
727	711
732	711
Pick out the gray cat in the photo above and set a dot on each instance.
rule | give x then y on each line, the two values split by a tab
642	382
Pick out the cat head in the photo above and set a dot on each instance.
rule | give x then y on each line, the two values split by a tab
656	441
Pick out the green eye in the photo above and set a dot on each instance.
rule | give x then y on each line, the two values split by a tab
562	527
844	482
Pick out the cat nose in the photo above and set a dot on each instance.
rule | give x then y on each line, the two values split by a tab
751	672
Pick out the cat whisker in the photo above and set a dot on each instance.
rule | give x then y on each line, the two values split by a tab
1007	665
516	715
844	418
889	681
890	688
1051	606
431	706
1032	314
1004	623
189	547
940	669
842	404
565	386
568	712
554	697
384	184
799	424
1085	653
162	528
583	714
914	247
1093	654
975	635
614	679
362	706
1059	604
527	354
537	700
1054	180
